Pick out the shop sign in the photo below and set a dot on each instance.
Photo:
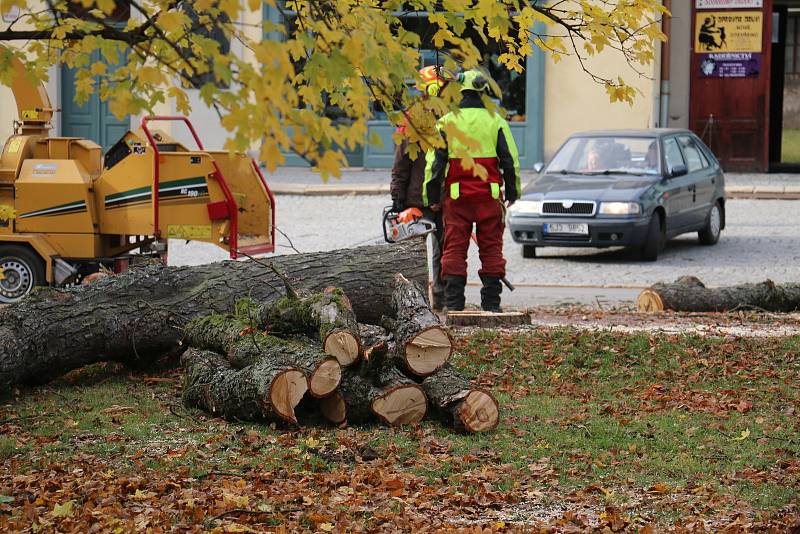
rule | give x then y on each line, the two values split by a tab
730	64
728	31
728	4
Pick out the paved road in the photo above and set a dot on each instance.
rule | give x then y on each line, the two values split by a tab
762	240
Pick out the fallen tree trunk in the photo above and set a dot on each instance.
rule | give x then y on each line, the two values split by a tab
138	316
266	390
689	294
457	402
422	345
327	315
243	346
395	404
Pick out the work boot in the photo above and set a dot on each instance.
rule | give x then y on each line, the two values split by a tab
454	292
490	293
438	302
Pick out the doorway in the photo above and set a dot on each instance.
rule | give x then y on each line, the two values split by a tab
784	142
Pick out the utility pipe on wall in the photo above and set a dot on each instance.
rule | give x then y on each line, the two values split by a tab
666	27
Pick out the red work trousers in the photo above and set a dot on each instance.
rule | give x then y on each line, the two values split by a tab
487	214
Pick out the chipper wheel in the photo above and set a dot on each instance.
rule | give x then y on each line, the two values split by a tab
21	269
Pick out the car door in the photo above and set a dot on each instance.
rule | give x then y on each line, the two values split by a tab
678	190
703	179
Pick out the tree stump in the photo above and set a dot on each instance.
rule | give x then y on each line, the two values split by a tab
395	404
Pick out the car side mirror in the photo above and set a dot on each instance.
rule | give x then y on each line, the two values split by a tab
678	170
538	166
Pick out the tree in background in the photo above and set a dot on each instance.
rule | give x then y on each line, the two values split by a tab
351	56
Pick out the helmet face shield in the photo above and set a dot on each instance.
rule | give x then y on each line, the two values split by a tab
473	80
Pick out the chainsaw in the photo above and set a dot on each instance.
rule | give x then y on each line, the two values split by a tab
399	226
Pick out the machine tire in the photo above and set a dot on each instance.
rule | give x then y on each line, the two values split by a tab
656	238
23	270
709	235
528	251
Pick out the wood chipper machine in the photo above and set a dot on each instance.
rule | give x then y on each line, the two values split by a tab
66	210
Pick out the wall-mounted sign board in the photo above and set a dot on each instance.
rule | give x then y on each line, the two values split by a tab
728	4
728	31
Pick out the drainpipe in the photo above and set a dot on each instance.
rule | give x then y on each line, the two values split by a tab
666	27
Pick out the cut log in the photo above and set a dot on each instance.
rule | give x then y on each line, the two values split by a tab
242	346
485	319
459	403
139	315
689	294
265	390
327	314
422	345
333	408
395	404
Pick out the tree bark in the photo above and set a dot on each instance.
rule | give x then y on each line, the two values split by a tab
457	402
242	346
395	404
422	345
689	294
137	316
266	390
327	315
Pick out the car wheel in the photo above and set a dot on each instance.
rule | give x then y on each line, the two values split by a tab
709	235
528	251
656	237
22	269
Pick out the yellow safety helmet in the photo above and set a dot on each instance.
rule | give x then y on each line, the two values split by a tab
431	81
473	80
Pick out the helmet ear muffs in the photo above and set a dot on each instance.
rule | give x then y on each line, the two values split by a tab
432	89
480	83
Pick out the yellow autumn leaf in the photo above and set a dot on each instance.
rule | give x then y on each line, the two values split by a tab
327	527
743	436
64	510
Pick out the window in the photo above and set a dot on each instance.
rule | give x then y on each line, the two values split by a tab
596	155
695	160
791	63
211	30
672	154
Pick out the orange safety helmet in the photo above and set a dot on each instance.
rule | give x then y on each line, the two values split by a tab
431	81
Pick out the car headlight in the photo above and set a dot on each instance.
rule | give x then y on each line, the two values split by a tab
530	207
620	208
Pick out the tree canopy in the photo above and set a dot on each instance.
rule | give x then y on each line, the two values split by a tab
351	56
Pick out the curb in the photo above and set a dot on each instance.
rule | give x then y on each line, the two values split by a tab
761	192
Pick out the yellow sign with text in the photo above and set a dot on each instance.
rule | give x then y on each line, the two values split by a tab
728	31
189	231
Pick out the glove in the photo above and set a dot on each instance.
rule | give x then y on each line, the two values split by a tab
398	205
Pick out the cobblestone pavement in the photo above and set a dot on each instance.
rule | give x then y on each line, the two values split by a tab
761	241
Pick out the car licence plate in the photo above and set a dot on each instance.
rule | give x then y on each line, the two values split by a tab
566	228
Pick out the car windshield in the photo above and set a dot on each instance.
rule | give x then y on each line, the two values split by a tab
604	155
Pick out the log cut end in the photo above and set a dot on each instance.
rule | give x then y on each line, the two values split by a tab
479	412
401	405
342	345
428	350
286	392
325	378
649	301
333	408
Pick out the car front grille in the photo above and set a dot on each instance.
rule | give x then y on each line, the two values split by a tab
568	207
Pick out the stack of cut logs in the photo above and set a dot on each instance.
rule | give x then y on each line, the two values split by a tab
262	361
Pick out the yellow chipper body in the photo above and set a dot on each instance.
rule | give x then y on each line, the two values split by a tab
66	209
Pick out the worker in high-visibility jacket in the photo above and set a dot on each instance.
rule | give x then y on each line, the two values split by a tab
468	199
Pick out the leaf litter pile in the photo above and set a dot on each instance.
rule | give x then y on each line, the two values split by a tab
601	432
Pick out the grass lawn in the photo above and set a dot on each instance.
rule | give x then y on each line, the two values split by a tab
790	146
601	432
